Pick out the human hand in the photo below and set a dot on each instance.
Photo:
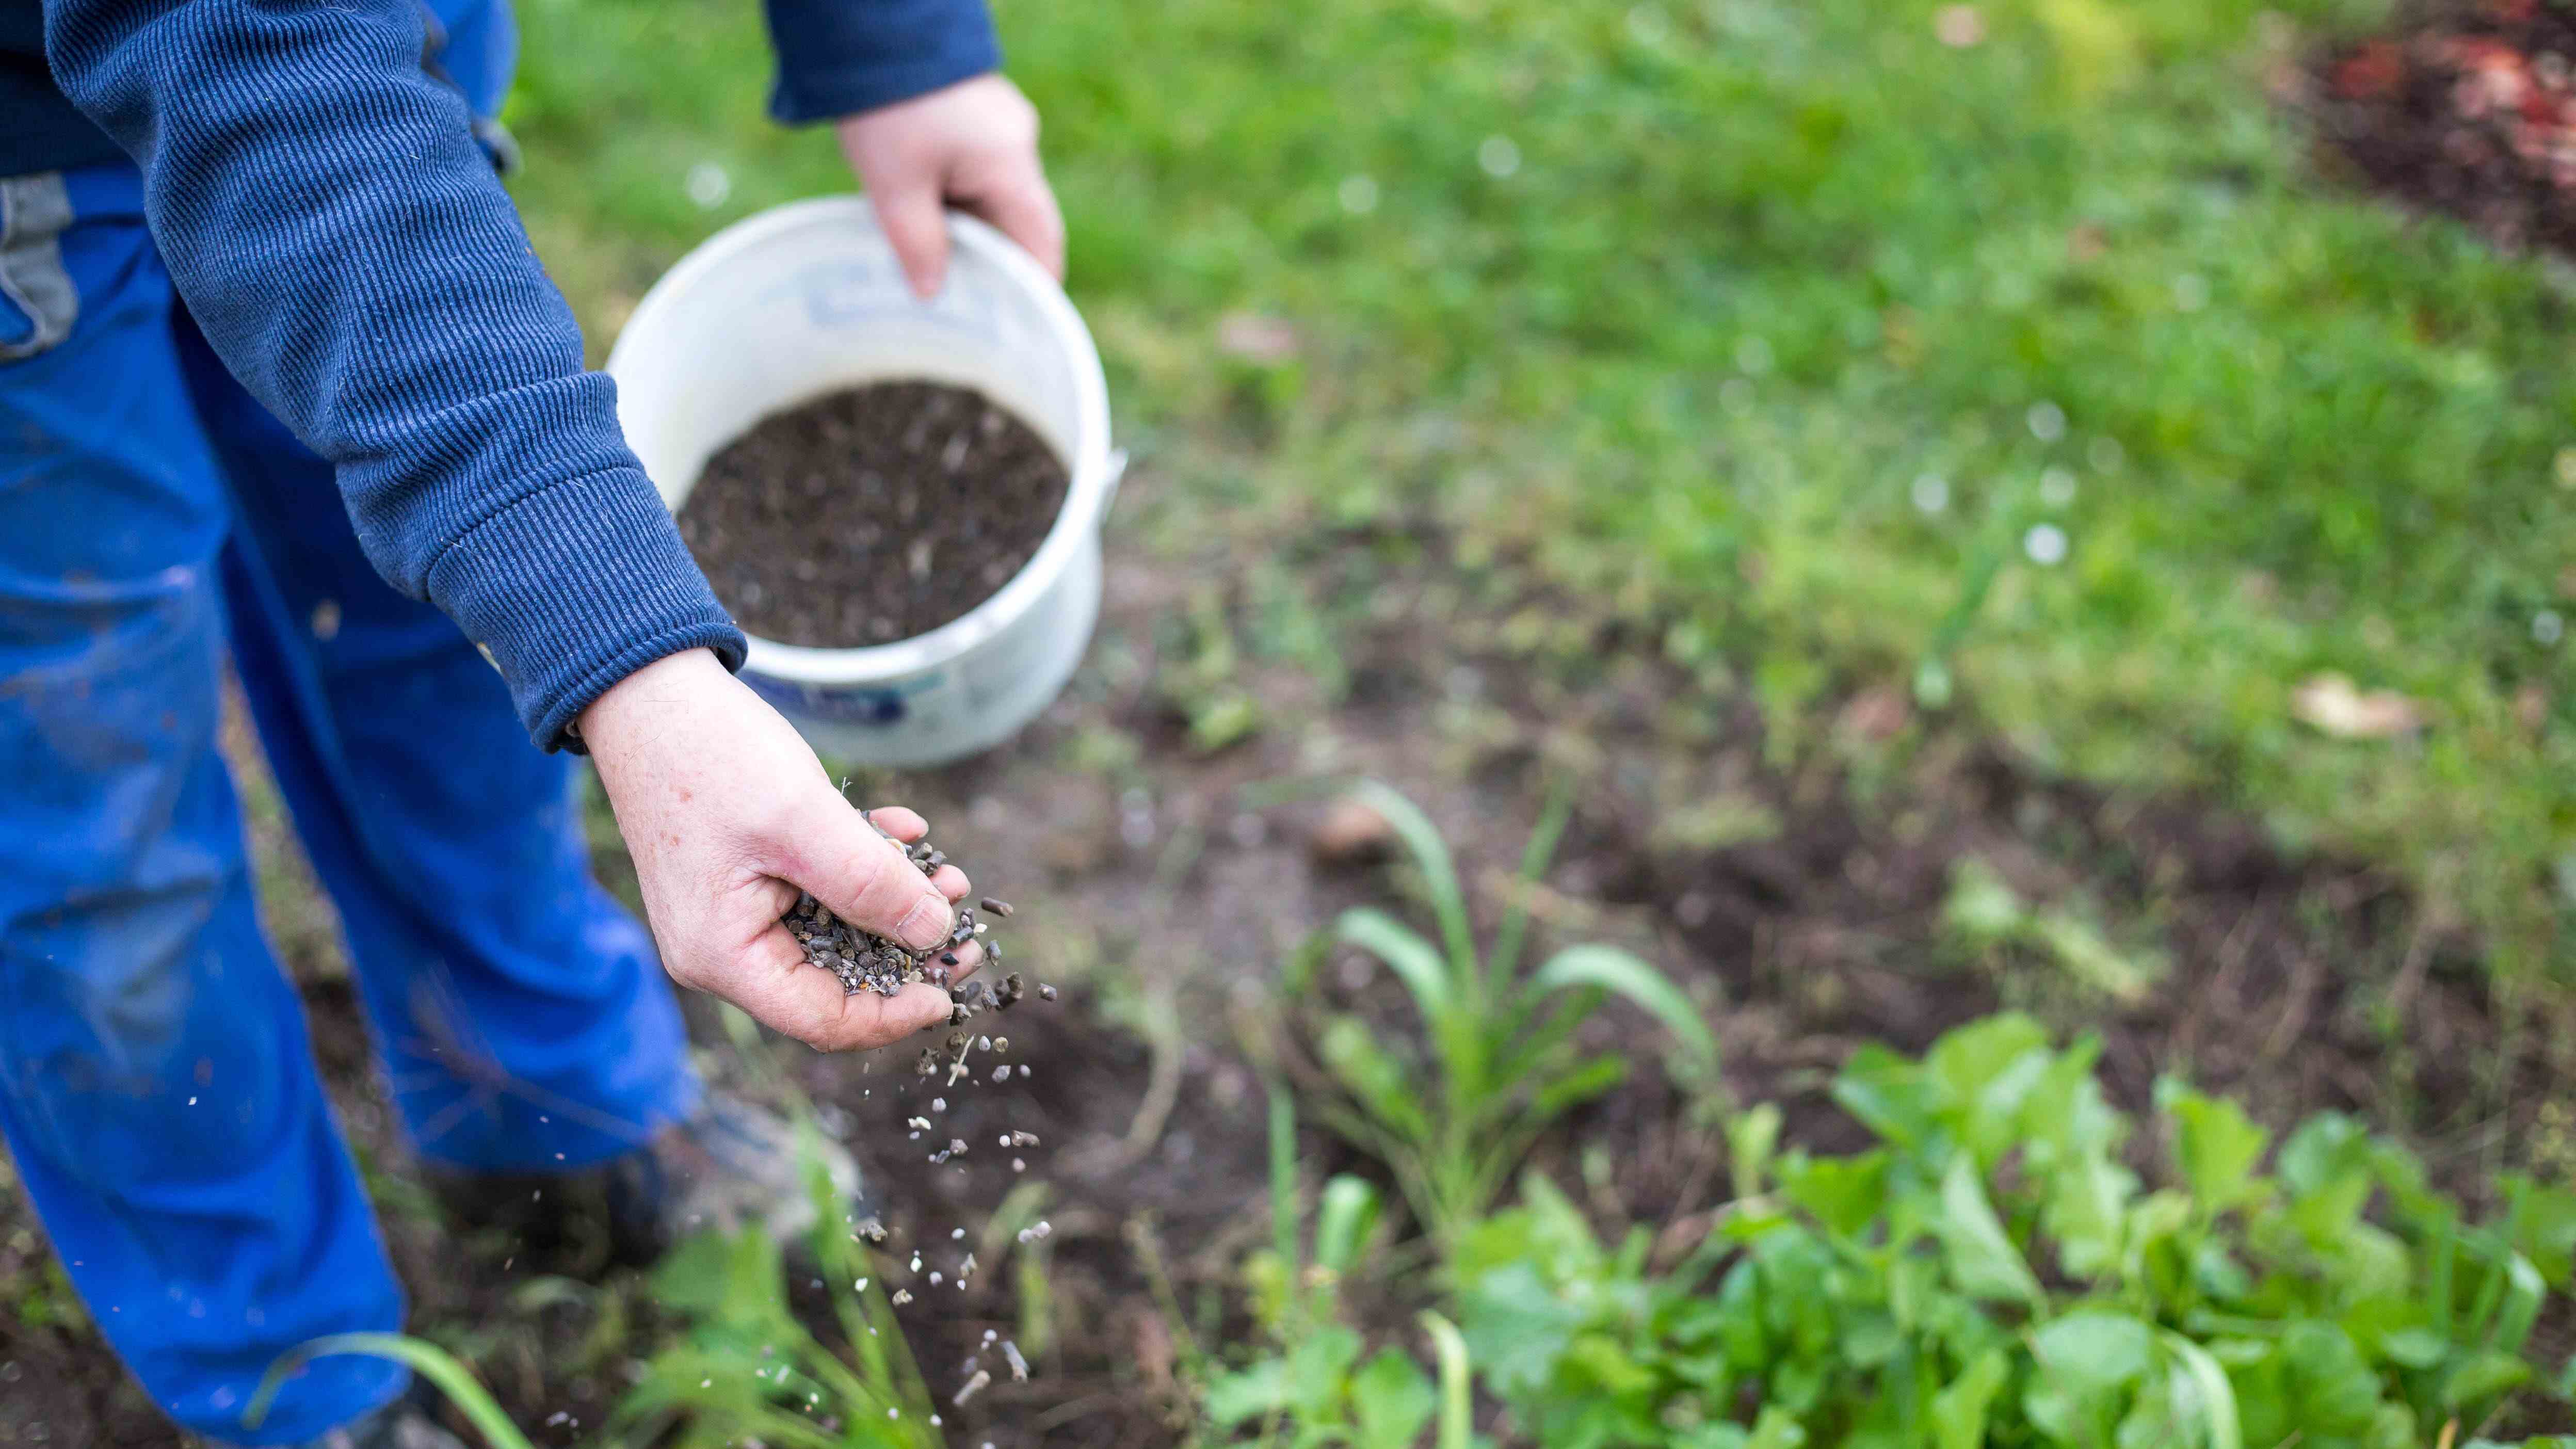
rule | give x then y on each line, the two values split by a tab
975	144
728	815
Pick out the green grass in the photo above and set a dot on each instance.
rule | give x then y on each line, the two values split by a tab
1761	265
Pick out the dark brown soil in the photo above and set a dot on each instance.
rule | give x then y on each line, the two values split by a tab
872	515
1104	1352
2467	107
1161	894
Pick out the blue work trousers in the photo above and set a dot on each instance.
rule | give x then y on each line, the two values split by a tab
157	1090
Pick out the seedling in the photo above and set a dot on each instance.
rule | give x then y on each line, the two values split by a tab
427	1359
1500	1044
1995	1271
748	1369
1312	1388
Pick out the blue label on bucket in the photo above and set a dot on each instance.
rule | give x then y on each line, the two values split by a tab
876	705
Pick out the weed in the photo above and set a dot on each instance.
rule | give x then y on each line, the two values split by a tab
427	1359
1200	679
1984	916
1500	1043
1311	1387
748	1368
1994	1273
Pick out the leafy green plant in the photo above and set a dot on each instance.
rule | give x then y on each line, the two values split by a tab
1200	678
1498	1044
748	1369
1311	1387
1994	1273
1983	916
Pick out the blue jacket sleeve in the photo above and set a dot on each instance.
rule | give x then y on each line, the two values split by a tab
343	244
839	57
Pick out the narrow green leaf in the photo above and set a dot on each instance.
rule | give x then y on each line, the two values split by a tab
426	1359
2521	1306
1297	970
1535	1037
1617	971
2446	1244
1505	958
2217	1397
1344	1222
1439	873
1752	1136
1457	1419
1379	1083
1283	1174
1405	952
1583	1082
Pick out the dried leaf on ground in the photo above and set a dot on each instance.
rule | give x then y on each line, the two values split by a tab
2331	703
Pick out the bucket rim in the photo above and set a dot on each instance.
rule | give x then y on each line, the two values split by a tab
1094	469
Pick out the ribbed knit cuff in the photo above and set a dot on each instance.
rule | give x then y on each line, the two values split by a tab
836	59
573	588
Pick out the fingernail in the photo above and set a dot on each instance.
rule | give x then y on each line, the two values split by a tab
926	924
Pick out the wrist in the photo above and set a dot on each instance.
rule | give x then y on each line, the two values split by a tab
655	689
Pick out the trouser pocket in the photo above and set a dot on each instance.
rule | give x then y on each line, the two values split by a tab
38	293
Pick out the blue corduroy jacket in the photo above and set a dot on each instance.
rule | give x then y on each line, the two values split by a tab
341	239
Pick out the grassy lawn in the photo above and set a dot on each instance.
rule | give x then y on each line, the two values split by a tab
1777	330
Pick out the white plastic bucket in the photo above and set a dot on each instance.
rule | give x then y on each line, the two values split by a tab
806	299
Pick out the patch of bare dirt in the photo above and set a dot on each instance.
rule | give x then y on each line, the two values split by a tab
2466	107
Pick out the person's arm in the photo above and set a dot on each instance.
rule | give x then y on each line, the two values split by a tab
345	248
924	117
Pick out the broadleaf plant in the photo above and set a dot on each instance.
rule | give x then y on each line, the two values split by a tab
1993	1272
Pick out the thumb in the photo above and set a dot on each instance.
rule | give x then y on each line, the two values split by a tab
916	224
865	878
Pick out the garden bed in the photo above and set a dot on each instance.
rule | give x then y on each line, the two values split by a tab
2466	107
1812	899
1170	888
